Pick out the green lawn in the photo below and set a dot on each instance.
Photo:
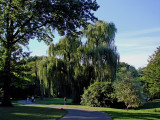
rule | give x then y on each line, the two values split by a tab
28	112
150	111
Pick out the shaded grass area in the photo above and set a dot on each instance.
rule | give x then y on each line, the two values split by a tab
150	110
54	101
29	112
133	115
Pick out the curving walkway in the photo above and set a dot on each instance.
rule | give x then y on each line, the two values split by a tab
75	113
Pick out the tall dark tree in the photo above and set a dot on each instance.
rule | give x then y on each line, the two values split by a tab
151	76
22	20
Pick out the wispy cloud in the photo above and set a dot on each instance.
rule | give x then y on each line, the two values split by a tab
136	47
138	42
137	33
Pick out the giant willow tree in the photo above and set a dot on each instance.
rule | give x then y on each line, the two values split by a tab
76	65
22	20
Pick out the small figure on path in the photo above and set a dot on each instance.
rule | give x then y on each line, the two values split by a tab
148	99
65	100
27	99
32	98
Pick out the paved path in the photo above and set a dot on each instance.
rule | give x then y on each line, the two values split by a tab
75	113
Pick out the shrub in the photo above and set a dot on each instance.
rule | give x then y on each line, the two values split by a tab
98	94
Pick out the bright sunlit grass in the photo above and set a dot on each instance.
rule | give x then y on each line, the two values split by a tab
150	111
24	112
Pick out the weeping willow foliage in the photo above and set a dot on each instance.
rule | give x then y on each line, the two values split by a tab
51	75
100	50
75	65
42	67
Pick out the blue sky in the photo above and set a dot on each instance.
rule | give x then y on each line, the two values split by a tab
138	29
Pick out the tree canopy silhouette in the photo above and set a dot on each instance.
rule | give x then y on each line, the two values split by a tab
22	20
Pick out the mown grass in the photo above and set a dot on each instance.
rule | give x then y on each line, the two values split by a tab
30	112
150	111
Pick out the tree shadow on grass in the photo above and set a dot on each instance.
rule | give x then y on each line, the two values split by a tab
150	105
22	112
133	116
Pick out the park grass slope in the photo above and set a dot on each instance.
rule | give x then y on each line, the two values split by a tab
150	110
30	112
